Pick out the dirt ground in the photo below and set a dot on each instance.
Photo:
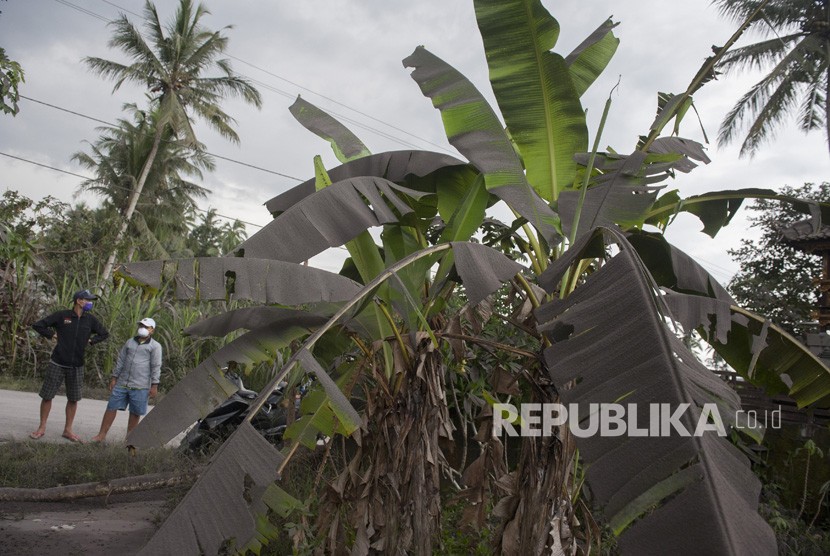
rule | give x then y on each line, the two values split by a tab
120	524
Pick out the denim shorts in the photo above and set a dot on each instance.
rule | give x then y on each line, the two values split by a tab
122	397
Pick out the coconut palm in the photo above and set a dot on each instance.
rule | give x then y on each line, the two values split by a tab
794	53
173	61
117	158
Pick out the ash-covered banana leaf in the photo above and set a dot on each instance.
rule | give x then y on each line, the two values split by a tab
473	128
225	511
344	143
395	166
756	348
622	189
673	269
222	278
329	218
662	491
717	208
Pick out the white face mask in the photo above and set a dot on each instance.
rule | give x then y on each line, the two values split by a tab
143	332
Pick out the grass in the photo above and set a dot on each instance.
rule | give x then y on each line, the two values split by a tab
43	465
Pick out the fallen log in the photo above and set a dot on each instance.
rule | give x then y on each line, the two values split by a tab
101	488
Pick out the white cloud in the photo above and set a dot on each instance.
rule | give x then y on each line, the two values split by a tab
351	52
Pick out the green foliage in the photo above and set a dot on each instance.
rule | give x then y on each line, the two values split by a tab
212	236
11	76
46	465
776	280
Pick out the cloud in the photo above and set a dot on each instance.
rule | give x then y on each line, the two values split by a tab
336	53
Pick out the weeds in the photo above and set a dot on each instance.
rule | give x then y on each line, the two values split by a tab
44	465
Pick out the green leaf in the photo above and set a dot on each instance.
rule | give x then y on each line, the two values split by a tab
589	59
534	89
756	348
344	143
717	208
473	128
346	414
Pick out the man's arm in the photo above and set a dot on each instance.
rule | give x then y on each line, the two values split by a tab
99	331
45	326
119	363
155	367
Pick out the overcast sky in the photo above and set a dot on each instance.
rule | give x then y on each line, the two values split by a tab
345	56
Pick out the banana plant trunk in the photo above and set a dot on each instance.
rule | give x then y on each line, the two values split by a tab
134	196
389	494
537	516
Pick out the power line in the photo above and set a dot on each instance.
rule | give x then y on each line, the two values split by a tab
285	93
87	178
94	119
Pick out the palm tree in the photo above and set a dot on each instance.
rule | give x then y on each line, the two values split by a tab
117	158
796	51
171	62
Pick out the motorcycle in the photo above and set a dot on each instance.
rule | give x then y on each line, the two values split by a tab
219	424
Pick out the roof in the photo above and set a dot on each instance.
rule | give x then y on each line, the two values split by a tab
804	232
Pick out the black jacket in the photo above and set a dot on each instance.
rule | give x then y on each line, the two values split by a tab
74	334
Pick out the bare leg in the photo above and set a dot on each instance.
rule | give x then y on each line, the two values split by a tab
132	422
71	408
106	423
45	408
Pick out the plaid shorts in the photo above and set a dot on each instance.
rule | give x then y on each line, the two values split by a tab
57	375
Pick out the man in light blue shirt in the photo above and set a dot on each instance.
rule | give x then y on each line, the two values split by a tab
134	379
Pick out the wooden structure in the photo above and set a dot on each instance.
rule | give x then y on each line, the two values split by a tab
807	237
755	399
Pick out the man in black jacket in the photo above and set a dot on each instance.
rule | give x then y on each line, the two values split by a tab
75	328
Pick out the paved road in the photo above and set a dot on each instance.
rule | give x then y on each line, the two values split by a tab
19	416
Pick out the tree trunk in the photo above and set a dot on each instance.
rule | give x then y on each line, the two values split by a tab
537	516
389	495
134	196
104	488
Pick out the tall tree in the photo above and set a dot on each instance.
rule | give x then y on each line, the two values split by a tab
795	51
775	279
11	76
172	61
117	158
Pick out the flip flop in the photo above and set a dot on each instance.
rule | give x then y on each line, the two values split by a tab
36	435
73	438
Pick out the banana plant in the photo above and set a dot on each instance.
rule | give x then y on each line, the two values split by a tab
614	298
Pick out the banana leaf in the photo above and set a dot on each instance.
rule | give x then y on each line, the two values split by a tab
761	352
225	511
717	208
205	387
588	60
473	128
222	278
395	166
344	143
611	344
534	89
330	217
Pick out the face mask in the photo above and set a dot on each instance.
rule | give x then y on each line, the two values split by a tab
143	332
87	306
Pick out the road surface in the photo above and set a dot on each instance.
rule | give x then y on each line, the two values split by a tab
19	415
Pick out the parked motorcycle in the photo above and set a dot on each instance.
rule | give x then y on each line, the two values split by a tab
219	424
